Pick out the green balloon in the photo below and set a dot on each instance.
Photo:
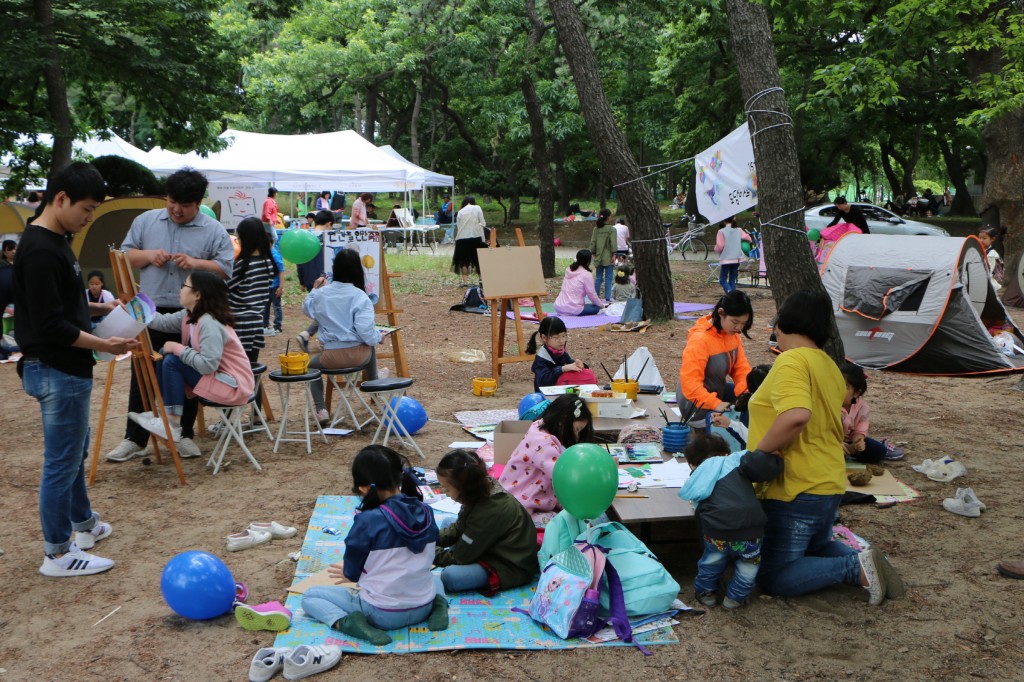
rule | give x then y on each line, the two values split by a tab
813	235
585	478
746	248
298	246
208	211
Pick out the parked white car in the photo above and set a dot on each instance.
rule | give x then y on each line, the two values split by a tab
880	221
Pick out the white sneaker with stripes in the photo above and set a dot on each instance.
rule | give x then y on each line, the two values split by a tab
75	562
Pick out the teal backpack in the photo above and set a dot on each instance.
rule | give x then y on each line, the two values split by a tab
646	586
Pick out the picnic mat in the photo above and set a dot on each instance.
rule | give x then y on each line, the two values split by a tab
476	621
529	315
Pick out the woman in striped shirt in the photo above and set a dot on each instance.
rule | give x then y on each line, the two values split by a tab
249	285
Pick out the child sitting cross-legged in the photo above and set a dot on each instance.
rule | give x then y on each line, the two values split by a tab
492	545
388	552
856	443
729	515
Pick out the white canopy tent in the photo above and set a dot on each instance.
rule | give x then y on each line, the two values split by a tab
94	146
341	160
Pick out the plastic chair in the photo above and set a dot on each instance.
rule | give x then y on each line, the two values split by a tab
382	392
284	383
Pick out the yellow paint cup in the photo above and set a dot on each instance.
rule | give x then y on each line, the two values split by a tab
630	388
485	387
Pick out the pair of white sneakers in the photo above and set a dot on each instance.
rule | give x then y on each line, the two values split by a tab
297	663
258	533
76	561
965	503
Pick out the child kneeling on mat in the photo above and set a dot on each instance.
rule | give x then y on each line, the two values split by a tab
729	515
388	552
492	546
553	366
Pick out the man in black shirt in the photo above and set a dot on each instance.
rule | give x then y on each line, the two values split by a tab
51	326
845	213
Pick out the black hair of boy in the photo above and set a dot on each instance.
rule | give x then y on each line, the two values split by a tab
79	180
323	218
467	471
734	304
558	420
96	273
807	314
755	377
187	186
551	325
701	447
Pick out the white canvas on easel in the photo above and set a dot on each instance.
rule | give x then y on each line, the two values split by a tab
401	217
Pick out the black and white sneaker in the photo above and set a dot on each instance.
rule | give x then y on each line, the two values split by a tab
75	562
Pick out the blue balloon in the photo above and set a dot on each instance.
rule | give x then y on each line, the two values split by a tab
528	401
197	585
411	414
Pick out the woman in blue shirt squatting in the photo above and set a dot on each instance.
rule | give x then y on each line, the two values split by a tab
388	552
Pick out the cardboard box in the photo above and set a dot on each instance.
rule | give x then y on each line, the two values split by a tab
506	437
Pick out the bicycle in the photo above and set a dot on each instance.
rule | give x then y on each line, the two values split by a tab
689	244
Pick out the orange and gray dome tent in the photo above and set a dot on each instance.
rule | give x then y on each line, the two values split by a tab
921	305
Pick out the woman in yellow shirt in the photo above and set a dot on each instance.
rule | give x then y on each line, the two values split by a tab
796	413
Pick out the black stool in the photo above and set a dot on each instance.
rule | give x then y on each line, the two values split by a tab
284	383
230	429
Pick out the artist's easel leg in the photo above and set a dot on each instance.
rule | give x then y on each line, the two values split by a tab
497	338
98	441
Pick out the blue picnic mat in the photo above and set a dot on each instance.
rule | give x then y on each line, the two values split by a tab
477	622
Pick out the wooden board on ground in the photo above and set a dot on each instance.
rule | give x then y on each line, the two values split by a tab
886	484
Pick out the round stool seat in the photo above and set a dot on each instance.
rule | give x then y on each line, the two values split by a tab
211	403
389	384
258	368
336	371
310	375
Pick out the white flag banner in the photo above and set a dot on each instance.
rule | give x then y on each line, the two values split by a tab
726	178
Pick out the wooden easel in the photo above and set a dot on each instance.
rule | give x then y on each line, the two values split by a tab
501	305
142	362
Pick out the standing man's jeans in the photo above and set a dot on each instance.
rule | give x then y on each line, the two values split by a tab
745	555
605	274
799	555
63	499
727	276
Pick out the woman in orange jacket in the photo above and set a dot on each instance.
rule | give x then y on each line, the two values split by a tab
713	355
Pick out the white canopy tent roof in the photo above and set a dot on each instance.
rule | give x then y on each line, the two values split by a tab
426	178
341	160
94	146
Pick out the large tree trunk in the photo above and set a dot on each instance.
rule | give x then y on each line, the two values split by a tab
370	128
780	198
962	204
617	163
414	123
885	147
545	196
56	88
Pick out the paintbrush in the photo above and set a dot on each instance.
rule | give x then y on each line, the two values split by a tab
625	366
664	416
642	368
610	377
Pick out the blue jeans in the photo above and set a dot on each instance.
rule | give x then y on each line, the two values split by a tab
464	578
727	276
330	604
605	273
275	301
589	309
173	376
63	498
799	555
874	452
718	554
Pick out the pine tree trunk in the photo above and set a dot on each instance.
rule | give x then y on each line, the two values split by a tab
617	163
414	123
541	162
780	199
56	88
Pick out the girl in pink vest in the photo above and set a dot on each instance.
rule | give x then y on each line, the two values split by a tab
209	362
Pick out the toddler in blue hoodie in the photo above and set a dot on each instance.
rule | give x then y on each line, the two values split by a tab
729	515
